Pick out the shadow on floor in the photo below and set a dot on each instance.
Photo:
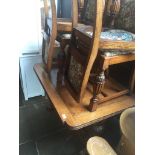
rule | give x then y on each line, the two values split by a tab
42	132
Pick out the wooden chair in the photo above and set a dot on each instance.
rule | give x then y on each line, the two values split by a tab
65	26
60	28
81	56
115	46
71	94
78	93
80	61
49	44
52	25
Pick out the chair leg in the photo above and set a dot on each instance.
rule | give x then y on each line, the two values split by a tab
97	88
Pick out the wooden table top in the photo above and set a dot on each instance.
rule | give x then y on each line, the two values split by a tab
73	114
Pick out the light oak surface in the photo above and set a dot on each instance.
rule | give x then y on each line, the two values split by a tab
72	113
97	99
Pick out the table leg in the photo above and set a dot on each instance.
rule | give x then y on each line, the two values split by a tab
97	88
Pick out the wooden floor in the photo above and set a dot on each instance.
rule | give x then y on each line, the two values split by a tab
72	113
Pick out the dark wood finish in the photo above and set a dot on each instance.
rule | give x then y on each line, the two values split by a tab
98	84
73	114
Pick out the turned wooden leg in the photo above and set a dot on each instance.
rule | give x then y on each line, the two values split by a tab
113	8
97	88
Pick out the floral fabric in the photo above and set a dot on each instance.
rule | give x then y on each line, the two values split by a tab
89	13
126	17
115	34
75	73
111	53
90	10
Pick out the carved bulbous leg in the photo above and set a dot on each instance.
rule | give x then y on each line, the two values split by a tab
97	88
113	8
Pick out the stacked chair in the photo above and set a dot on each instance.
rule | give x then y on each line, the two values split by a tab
116	46
57	31
83	92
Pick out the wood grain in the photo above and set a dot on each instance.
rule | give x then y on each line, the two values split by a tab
72	113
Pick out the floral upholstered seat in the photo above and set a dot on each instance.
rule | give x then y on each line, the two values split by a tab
124	25
126	17
126	22
122	32
115	34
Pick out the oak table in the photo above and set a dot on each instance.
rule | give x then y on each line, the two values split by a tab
73	114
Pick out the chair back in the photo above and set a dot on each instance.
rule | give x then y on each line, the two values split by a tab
126	17
49	34
88	12
82	53
50	30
